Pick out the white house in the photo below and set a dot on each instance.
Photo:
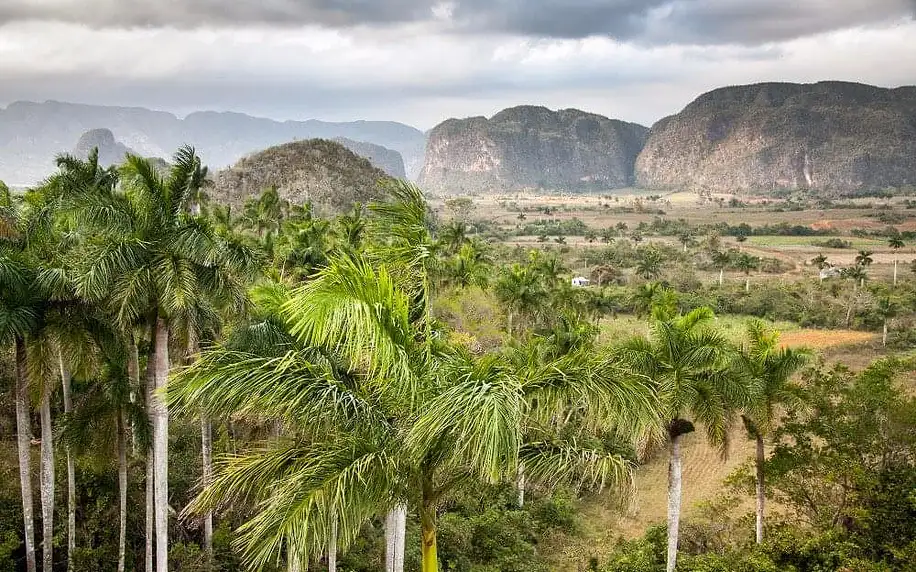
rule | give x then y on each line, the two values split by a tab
580	281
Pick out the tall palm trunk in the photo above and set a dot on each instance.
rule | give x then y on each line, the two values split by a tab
430	557
747	283
895	271
150	460
46	479
332	544
674	501
884	334
206	453
760	491
395	534
721	276
71	469
122	491
161	446
520	484
23	441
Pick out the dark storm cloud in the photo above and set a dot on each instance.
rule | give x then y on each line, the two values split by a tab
643	21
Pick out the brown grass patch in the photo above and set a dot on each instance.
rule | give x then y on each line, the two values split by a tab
821	339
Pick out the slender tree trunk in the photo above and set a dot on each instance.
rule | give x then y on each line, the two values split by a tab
122	491
430	558
46	479
884	334
747	284
71	469
395	533
895	271
520	484
161	446
721	276
206	453
674	502
133	374
332	544
150	510
761	498
509	327
150	458
23	441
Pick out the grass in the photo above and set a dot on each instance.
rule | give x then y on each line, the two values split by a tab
776	240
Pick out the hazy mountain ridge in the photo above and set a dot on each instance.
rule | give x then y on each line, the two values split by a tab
31	134
319	171
531	147
834	137
384	158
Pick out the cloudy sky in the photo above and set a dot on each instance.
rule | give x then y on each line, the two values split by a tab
419	61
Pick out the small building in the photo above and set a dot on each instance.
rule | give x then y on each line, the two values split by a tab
830	272
580	281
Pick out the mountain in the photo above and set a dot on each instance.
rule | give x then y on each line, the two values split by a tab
111	151
833	137
531	147
318	170
31	134
384	158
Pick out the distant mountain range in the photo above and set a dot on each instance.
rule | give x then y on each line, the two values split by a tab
829	137
31	134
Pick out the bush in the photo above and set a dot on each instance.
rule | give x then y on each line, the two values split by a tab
833	243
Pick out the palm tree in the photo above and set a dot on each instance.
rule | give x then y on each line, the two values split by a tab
896	242
453	235
636	237
591	236
768	370
747	263
20	308
721	259
686	239
864	258
820	262
887	309
263	214
402	417
607	236
649	265
153	264
522	291
858	276
470	266
685	361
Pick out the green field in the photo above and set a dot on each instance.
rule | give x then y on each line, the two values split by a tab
811	241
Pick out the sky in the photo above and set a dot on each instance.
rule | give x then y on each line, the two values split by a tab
421	61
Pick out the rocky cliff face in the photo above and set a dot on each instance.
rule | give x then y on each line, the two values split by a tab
111	151
384	158
319	171
832	137
531	147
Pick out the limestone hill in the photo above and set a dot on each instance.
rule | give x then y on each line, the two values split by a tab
319	171
831	137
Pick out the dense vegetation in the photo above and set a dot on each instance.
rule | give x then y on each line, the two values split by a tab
270	389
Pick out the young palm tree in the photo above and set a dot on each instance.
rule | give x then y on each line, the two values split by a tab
153	263
470	266
721	260
858	276
685	361
768	370
864	258
747	263
887	309
687	239
896	242
454	234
